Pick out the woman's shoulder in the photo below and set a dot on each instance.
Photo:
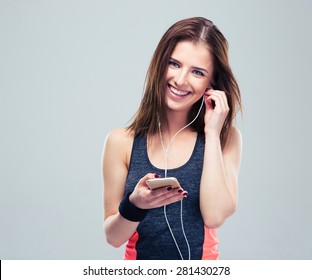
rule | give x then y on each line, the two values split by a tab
120	141
234	142
120	138
120	135
235	134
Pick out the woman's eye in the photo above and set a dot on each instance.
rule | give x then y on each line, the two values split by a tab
198	73
173	64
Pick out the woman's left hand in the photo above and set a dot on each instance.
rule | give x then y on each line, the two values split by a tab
217	109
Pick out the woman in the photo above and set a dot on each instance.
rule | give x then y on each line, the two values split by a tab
183	129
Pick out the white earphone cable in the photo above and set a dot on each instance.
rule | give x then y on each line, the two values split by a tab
166	150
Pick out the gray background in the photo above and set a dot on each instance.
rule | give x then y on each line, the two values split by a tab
71	71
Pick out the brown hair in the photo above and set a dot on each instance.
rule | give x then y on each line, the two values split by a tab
152	107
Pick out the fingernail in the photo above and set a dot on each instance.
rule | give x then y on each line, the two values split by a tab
157	176
169	189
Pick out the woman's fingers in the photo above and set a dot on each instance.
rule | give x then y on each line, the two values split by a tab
143	197
167	195
219	98
217	109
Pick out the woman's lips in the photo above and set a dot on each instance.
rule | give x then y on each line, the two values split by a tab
178	92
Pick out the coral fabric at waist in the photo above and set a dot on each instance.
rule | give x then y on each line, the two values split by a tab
210	248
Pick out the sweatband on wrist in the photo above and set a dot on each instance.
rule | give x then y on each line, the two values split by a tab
129	211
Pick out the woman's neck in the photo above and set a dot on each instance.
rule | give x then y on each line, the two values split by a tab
175	121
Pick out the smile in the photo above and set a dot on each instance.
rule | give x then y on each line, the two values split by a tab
178	92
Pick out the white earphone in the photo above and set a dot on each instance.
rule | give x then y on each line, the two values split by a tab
166	150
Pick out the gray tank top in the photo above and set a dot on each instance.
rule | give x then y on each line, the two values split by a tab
153	239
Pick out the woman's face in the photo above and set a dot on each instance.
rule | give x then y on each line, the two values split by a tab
188	75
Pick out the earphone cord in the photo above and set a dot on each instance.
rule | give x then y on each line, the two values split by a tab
166	150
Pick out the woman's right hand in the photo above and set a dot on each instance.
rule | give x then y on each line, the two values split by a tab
144	198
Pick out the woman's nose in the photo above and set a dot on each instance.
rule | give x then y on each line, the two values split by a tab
181	78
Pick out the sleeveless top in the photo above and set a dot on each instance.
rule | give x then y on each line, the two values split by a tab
152	239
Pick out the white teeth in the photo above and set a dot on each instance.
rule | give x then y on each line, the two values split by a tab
177	92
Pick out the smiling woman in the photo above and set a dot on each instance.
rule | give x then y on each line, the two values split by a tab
173	135
188	75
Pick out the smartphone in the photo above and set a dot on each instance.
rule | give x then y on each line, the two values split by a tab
157	183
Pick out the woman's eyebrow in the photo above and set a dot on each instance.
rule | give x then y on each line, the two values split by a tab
195	67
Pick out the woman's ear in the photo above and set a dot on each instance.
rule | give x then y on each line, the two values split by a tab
208	88
212	83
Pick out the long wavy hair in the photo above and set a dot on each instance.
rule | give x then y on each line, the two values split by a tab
153	106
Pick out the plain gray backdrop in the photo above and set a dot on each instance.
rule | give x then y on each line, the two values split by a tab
71	71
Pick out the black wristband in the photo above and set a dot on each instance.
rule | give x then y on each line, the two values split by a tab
129	211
